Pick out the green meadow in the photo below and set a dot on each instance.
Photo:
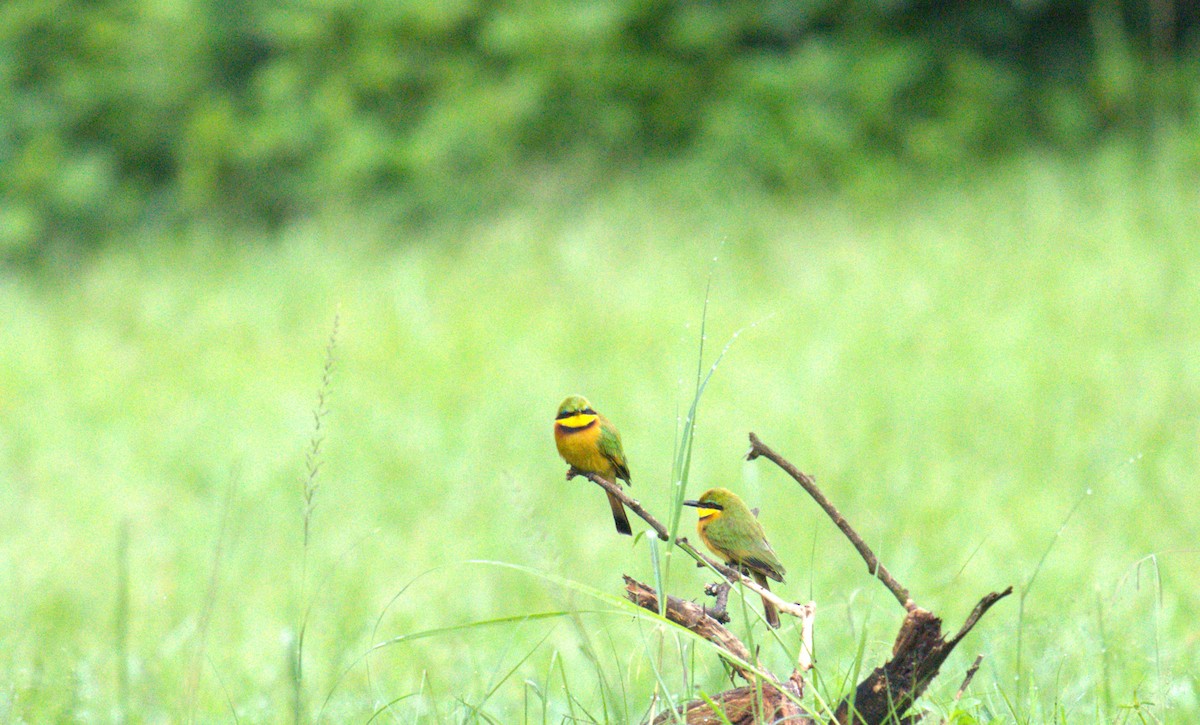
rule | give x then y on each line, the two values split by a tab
218	508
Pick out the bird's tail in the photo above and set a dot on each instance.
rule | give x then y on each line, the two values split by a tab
769	609
619	516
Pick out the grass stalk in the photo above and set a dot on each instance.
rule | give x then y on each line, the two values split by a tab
191	686
121	622
1024	593
1105	671
312	466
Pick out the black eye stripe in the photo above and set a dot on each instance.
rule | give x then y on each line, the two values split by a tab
572	413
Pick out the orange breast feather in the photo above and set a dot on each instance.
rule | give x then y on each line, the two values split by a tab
581	449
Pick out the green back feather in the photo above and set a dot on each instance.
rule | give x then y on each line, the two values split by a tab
610	446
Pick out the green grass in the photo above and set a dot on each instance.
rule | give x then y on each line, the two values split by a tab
957	364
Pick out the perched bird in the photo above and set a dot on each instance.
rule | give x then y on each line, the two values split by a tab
591	444
732	532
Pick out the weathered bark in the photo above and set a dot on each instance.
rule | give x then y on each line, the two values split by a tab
690	615
761	701
920	649
745	705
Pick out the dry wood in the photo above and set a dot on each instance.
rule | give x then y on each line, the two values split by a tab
885	695
720	592
744	705
919	650
690	615
917	656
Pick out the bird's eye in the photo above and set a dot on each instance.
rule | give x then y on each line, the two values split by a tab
588	411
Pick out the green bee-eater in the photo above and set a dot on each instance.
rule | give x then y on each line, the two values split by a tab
591	444
732	532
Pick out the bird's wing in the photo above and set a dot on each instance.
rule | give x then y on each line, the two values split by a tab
756	553
768	565
610	447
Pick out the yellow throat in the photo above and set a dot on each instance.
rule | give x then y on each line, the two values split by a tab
579	420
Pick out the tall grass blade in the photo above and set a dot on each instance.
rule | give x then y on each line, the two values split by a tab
593	658
492	691
659	580
121	622
683	453
562	674
192	685
1105	672
1024	592
387	706
224	690
683	458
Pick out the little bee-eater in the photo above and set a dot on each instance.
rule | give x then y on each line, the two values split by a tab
591	444
731	531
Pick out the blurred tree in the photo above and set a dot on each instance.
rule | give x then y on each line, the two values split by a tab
118	114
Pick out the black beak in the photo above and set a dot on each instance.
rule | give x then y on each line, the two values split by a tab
693	504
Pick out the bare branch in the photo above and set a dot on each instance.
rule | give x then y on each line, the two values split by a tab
917	655
970	676
804	661
631	503
980	609
886	693
733	575
877	570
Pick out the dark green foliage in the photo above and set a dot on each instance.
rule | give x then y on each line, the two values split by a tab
116	114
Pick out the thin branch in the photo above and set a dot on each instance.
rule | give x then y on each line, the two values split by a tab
961	689
877	570
733	575
804	661
630	503
970	676
980	609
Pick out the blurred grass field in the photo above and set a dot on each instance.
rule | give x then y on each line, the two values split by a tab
958	364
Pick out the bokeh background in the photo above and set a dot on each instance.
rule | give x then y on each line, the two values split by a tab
291	292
